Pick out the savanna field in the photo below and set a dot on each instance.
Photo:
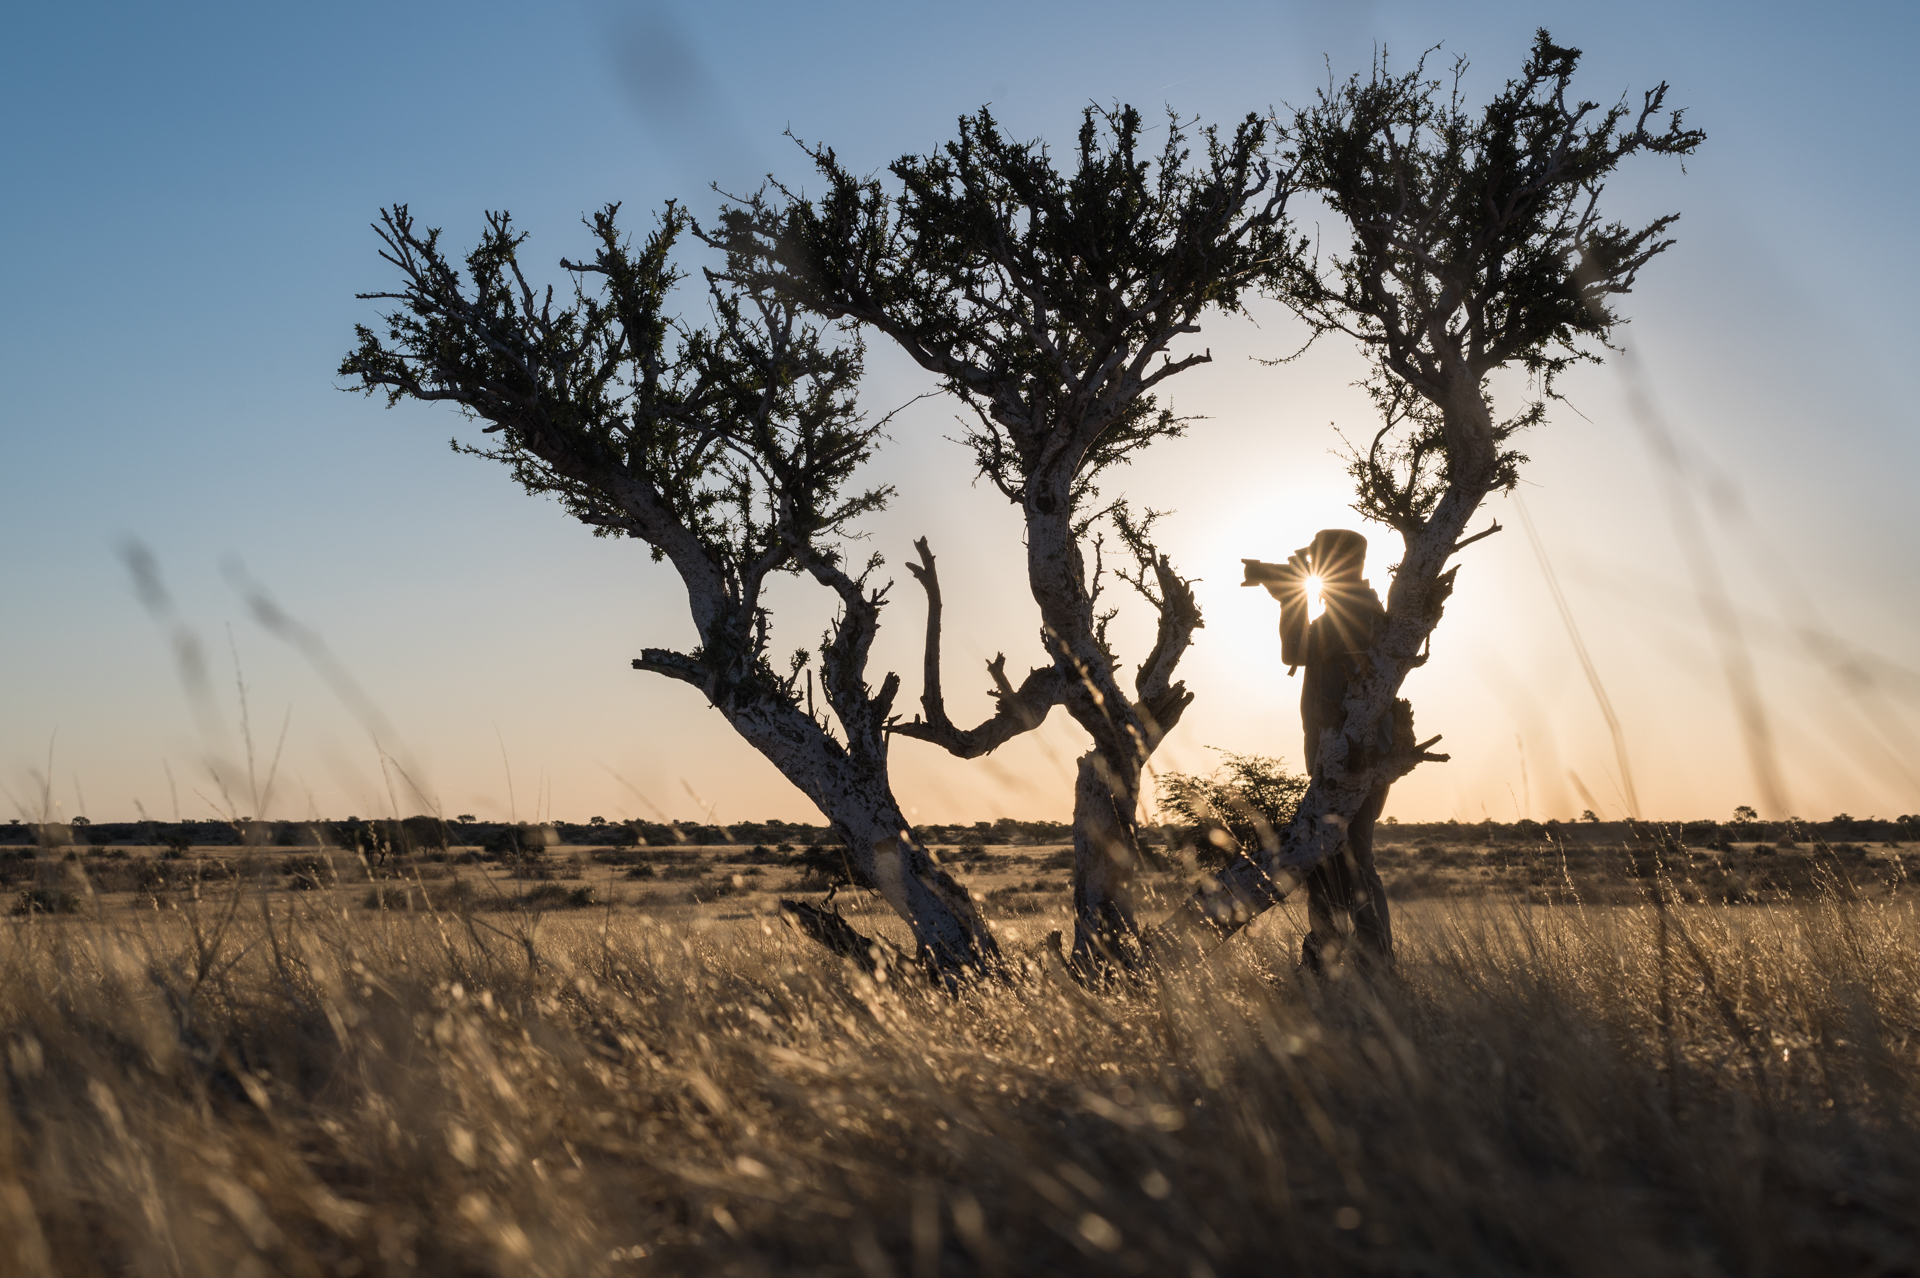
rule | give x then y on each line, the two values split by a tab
691	405
1598	1055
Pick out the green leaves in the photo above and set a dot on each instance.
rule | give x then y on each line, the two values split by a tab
1476	237
1477	243
1251	799
728	448
1040	294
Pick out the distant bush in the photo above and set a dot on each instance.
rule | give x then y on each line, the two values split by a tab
47	900
21	863
1702	834
455	896
520	840
822	868
309	872
551	896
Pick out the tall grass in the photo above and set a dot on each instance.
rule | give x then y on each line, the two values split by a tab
244	1090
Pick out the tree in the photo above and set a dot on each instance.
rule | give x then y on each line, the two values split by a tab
730	452
1244	804
1047	301
1477	244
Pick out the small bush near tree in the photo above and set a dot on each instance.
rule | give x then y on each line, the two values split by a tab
1240	807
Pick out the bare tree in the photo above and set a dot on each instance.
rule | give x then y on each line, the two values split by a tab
1477	244
1047	302
729	451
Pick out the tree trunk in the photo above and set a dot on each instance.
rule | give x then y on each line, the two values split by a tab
1106	857
1124	732
1350	768
950	936
948	930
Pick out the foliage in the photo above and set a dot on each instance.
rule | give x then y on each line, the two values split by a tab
1477	243
47	900
1039	296
821	867
1248	801
728	449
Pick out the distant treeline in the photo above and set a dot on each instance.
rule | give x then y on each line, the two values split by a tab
434	832
1691	833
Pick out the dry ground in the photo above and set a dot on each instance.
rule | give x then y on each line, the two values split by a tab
737	881
222	1074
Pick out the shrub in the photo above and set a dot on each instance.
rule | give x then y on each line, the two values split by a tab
1250	797
1702	834
550	896
47	900
309	872
521	839
822	868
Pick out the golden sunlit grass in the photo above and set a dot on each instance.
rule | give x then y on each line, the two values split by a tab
323	1091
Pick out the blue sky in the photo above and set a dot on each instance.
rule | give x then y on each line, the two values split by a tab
185	221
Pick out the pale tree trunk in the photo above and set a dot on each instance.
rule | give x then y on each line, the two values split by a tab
1350	767
947	926
1125	731
1106	858
950	938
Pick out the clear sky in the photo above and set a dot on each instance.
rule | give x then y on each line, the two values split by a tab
185	222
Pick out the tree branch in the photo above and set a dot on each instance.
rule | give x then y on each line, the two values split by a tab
1017	710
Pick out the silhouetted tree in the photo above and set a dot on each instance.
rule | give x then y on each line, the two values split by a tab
1477	244
730	451
1046	299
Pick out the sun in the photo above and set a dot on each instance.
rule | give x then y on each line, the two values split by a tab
1315	603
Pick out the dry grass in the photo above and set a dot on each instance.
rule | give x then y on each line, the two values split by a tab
257	1085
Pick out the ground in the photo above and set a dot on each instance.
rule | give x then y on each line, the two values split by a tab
1015	881
1641	1061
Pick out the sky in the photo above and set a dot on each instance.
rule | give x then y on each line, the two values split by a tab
1726	505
